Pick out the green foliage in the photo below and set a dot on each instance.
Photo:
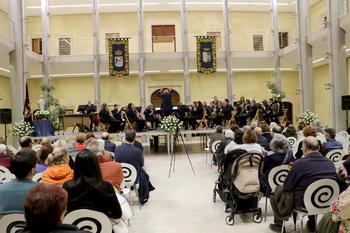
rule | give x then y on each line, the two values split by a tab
52	105
275	91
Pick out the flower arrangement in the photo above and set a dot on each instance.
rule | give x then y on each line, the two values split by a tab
275	91
22	129
42	114
307	117
171	124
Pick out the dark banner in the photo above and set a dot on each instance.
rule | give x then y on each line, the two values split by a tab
206	54
118	56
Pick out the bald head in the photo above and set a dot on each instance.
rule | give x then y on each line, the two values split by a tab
105	136
310	144
258	130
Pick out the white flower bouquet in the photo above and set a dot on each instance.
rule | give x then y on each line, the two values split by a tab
22	129
42	114
307	117
171	124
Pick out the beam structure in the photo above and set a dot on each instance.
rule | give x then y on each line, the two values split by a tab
141	39
187	92
96	35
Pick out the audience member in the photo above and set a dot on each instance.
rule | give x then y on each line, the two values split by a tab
290	131
331	143
307	131
281	155
88	190
220	152
238	136
338	220
81	137
46	142
25	142
5	158
112	172
217	136
310	168
58	170
127	153
44	210
249	142
261	140
42	155
109	146
14	192
266	132
90	135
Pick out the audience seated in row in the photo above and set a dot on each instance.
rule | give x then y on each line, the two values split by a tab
331	143
312	166
14	192
42	155
5	157
58	170
44	210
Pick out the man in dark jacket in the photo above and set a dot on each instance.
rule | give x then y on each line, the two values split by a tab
109	146
167	105
128	153
331	143
260	139
311	167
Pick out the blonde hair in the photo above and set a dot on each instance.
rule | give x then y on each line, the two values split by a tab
57	157
81	137
61	143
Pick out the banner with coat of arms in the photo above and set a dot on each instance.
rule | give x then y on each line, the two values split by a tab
118	56
206	54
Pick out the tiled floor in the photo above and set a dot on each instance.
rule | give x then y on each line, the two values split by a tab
183	203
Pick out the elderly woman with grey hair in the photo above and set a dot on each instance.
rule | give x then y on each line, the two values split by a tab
281	154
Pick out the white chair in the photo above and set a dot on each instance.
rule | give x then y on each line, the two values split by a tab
318	198
343	134
130	176
37	177
213	148
36	147
292	141
336	156
10	223
344	141
277	176
89	220
6	175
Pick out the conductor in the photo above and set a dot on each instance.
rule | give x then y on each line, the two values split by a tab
166	105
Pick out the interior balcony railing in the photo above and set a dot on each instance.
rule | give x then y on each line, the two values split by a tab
68	45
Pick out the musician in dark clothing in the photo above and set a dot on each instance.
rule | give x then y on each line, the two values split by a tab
167	105
151	116
227	110
90	108
107	118
117	117
135	118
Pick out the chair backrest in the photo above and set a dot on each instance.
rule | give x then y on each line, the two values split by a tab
246	172
36	147
6	175
214	146
37	177
277	176
343	134
344	141
89	220
335	155
208	143
319	195
129	173
292	141
12	223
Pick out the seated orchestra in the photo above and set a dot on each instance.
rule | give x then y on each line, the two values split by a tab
196	115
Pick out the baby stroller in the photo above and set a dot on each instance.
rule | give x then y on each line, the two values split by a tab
225	175
244	188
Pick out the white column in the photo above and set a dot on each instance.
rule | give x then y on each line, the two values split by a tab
338	80
227	32
45	31
18	62
276	45
141	41
187	92
306	80
96	34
